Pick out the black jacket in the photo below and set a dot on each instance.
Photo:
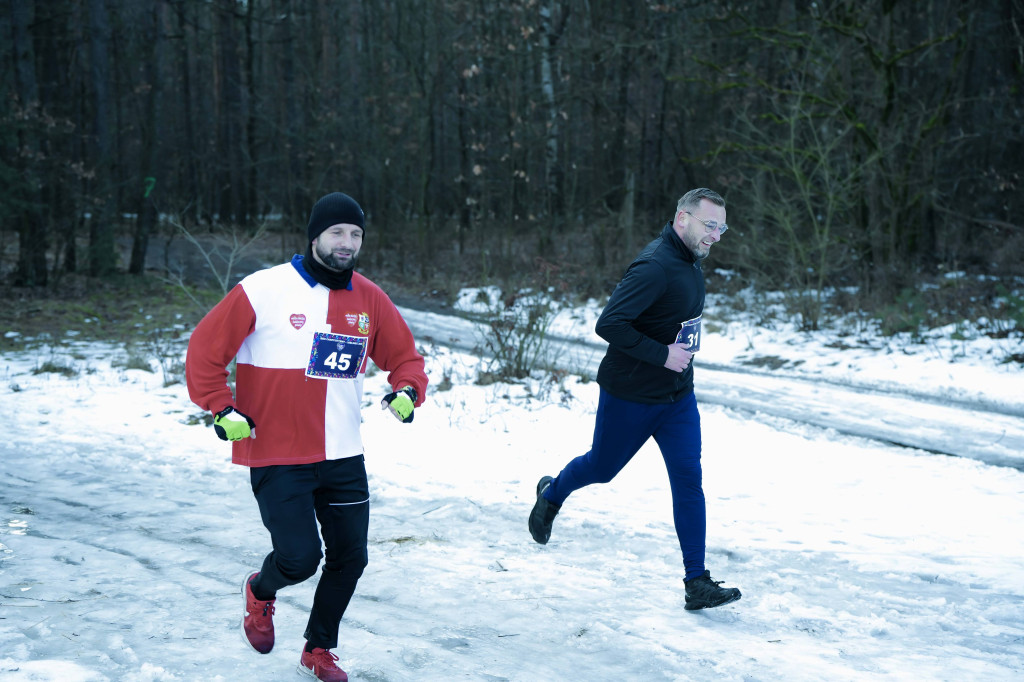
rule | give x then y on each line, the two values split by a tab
662	288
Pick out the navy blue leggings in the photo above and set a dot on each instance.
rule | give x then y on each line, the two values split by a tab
621	429
292	499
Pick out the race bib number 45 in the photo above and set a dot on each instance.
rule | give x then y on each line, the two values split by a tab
335	356
689	335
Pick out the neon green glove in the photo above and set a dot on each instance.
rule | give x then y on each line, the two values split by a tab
230	424
401	404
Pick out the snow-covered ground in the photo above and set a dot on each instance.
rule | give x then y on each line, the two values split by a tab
125	531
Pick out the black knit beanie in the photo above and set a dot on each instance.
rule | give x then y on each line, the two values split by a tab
334	209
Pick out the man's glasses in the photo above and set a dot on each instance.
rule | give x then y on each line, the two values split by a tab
710	225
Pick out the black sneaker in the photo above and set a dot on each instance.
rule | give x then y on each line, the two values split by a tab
704	593
543	513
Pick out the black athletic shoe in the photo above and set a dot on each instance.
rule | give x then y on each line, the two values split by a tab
704	593
543	513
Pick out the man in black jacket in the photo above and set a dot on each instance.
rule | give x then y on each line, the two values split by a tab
652	324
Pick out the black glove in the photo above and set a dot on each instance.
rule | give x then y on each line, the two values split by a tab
401	404
230	424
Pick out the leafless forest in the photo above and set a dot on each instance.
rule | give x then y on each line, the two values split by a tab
865	146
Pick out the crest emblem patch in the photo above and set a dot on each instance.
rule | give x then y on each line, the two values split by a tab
364	323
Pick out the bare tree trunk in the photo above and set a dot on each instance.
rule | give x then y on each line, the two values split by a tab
297	199
251	157
651	136
189	161
229	139
465	171
551	30
32	241
102	257
624	179
150	128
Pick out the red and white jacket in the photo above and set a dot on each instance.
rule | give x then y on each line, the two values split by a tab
267	322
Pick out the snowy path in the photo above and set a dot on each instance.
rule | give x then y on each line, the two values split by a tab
125	560
954	427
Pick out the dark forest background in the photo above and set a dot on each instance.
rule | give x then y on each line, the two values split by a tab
871	147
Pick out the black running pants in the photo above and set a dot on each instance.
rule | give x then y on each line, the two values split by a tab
292	499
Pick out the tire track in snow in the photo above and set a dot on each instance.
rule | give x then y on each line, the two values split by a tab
989	433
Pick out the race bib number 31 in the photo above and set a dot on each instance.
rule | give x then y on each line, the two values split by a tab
334	356
689	335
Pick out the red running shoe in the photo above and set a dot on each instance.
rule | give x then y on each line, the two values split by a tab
319	664
257	619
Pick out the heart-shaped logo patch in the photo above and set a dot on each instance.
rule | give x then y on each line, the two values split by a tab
297	320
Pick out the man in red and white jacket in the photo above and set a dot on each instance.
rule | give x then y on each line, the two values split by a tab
301	334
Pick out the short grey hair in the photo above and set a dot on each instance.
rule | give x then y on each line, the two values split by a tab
692	198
